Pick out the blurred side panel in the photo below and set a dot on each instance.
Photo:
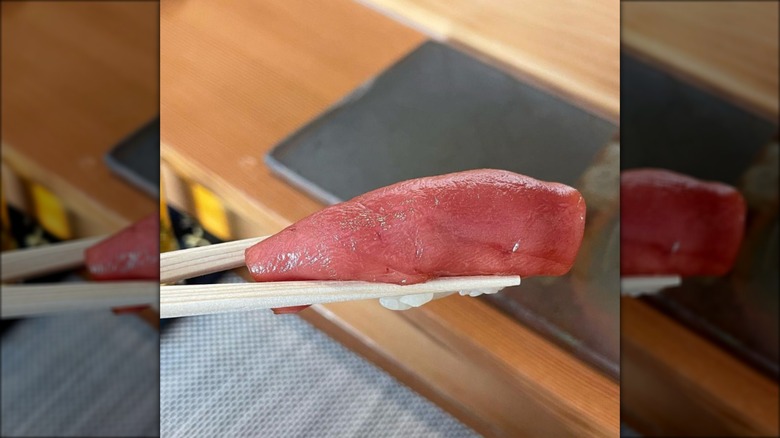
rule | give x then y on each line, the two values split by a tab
699	97
78	79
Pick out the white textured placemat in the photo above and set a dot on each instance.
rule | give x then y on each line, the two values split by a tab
80	374
255	374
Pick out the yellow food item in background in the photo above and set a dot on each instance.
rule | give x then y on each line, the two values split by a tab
8	239
50	212
167	238
210	212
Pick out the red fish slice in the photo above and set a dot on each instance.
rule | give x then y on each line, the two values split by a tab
673	224
131	254
481	222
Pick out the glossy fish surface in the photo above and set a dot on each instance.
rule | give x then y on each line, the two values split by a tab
478	222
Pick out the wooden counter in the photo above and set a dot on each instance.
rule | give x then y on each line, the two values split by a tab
235	81
728	47
565	46
77	77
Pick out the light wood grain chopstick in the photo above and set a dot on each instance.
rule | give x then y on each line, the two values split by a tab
38	299
194	262
190	300
28	262
636	286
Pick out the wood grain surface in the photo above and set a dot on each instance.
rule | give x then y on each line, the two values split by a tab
502	393
234	82
545	377
569	46
677	384
77	77
731	47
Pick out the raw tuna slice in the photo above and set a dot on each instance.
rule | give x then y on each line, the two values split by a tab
131	254
673	224
480	222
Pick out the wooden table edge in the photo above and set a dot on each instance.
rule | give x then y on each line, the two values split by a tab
90	218
699	75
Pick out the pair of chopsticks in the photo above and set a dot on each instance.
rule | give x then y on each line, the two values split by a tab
187	300
190	300
18	300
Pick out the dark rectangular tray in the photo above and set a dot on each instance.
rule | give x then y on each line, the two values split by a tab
137	158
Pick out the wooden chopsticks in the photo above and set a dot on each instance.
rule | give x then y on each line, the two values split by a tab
190	300
194	262
187	300
39	299
28	262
